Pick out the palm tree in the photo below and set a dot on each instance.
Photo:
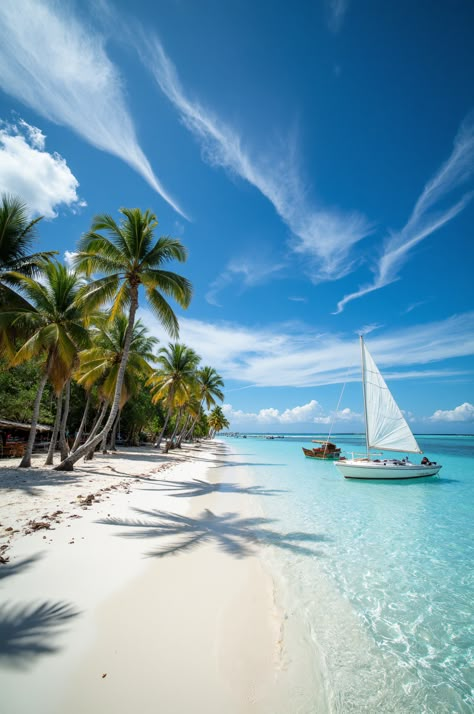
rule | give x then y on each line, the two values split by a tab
99	364
175	379
53	321
209	388
17	234
217	421
128	257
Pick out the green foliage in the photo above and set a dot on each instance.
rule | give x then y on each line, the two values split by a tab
18	387
140	415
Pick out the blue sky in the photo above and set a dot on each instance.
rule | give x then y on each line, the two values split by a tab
317	160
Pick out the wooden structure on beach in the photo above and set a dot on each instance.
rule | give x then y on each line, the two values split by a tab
13	436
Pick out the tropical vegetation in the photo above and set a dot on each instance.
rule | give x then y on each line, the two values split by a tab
73	353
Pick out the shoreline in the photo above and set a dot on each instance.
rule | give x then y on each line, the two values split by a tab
136	630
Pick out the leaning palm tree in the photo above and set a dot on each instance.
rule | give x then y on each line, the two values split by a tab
17	235
53	321
175	379
99	365
128	257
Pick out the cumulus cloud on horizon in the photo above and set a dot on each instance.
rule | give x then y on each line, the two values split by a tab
41	179
462	413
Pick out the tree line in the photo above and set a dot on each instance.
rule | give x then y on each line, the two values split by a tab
74	331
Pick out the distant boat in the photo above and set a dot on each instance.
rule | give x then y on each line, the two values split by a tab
328	451
385	428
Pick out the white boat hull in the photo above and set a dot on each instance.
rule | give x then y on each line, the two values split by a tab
355	468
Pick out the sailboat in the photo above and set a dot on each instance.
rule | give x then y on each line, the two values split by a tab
385	428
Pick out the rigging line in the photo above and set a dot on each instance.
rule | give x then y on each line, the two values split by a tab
338	403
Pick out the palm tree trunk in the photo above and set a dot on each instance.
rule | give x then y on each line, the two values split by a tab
26	460
77	440
158	443
183	431
54	438
95	429
171	444
113	436
63	445
68	463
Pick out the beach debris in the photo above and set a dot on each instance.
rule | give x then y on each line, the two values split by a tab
104	675
37	526
88	500
4	559
9	528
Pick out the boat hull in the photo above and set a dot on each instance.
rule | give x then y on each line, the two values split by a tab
385	472
321	455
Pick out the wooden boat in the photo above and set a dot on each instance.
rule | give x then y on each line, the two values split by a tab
327	451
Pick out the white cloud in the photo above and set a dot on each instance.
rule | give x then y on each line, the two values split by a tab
367	329
248	271
346	415
336	12
464	412
298	356
57	65
69	256
40	179
296	415
324	235
424	221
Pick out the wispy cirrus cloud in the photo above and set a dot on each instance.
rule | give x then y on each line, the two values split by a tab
324	235
56	64
335	12
294	355
42	180
426	218
249	271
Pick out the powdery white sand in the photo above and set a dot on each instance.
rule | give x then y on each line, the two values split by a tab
154	599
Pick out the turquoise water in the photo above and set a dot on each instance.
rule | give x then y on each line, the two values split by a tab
387	599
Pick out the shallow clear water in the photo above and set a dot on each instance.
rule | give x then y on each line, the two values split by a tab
387	595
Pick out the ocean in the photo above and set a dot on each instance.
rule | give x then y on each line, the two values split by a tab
384	580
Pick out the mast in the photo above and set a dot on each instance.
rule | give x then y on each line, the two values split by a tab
365	396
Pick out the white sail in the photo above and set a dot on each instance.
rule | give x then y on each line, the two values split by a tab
386	425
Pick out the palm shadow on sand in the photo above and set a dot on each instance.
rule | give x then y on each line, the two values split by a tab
232	534
28	631
199	487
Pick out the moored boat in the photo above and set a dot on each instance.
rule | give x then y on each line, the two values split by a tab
386	429
327	451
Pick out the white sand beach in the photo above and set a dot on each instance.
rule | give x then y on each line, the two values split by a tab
135	584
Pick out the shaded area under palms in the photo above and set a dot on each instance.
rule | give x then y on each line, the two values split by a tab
27	631
232	534
198	487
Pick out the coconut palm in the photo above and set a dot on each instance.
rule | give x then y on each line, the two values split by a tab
17	235
217	421
209	389
53	322
99	365
174	381
128	257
